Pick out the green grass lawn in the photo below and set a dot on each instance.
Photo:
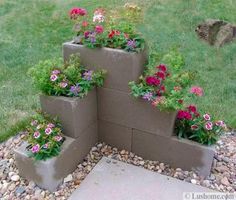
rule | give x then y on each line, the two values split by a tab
32	30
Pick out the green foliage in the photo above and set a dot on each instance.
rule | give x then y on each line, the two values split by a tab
53	77
44	137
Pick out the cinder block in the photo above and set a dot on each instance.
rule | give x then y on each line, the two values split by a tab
115	106
150	119
115	135
182	153
75	114
50	173
122	67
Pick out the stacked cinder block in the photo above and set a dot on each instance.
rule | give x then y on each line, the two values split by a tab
79	124
133	124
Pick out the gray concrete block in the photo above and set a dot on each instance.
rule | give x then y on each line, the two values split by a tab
122	67
115	135
182	153
75	114
115	106
50	173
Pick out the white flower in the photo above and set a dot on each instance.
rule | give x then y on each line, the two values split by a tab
98	18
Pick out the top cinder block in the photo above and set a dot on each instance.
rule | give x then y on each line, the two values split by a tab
122	67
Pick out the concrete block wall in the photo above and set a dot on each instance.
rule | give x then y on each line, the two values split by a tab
133	124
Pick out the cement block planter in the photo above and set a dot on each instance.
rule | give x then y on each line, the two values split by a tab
182	153
121	108
115	135
75	114
122	67
50	173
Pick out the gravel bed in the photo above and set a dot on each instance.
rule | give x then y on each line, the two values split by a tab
12	186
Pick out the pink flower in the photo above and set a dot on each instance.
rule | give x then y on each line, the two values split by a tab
50	125
158	100
194	127
162	67
150	80
161	75
35	148
56	71
184	115
99	29
220	123
63	84
197	91
36	134
208	126
98	18
207	117
192	108
86	34
53	77
34	123
75	12
48	131
85	23
58	138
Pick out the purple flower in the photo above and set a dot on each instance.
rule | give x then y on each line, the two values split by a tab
92	37
34	123
36	134
63	84
148	96
56	71
35	148
131	44
48	131
53	77
75	89
88	75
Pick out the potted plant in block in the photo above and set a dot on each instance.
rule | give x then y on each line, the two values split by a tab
113	43
68	92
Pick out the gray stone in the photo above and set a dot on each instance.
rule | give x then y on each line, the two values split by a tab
225	35
50	173
182	153
122	67
121	181
20	190
115	135
75	114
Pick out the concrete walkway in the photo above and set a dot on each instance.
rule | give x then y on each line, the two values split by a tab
115	180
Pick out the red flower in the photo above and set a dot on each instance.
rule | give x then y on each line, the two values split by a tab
188	116
161	75
180	101
150	80
196	90
163	88
113	33
184	115
162	67
192	108
75	12
84	23
126	35
99	29
86	34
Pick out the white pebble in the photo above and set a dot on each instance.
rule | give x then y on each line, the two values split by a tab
15	178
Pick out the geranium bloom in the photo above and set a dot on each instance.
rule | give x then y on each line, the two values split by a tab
92	37
150	80
50	125
162	67
63	84
209	126
192	108
184	115
34	123
99	11
207	117
86	34
196	90
194	127
180	101
158	100
35	148
131	44
99	29
56	71
58	138
75	12
36	134
85	23
161	75
53	77
113	33
48	131
148	96
88	75
98	18
220	123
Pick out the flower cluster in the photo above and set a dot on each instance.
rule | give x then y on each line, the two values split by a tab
98	31
163	90
44	138
199	127
70	79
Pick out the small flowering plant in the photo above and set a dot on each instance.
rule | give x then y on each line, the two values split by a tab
162	89
44	137
201	128
100	31
70	79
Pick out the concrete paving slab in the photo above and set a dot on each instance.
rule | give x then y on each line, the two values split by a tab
115	180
